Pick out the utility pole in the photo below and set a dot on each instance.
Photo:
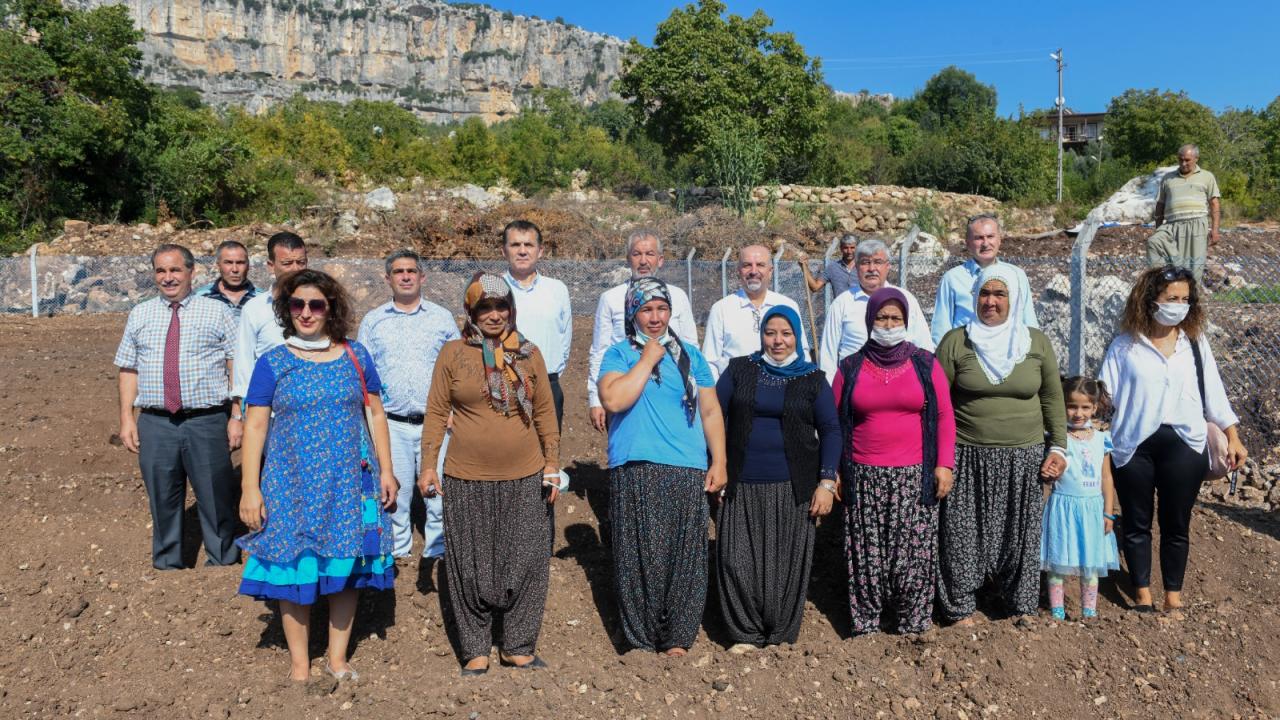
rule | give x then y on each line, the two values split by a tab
1060	103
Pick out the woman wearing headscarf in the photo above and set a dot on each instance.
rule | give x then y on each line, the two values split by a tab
899	439
783	444
1008	399
664	420
1166	389
500	478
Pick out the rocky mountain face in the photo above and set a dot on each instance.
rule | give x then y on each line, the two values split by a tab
444	62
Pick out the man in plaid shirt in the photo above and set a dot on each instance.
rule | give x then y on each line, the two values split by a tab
175	364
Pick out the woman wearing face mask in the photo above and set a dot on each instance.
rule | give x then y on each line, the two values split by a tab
1159	427
899	439
664	422
1007	398
783	446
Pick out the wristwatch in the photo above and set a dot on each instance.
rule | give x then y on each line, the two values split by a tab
828	485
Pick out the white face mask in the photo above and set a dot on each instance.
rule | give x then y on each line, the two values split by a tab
889	337
1170	314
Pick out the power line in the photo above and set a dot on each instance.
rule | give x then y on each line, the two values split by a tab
928	65
937	57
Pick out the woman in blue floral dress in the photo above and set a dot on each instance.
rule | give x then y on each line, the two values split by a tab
317	507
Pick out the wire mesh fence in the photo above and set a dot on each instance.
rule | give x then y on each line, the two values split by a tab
1078	300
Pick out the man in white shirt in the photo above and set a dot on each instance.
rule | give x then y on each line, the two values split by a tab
543	314
404	336
259	329
845	329
644	256
733	325
954	305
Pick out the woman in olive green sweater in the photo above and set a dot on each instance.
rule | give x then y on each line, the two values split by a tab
1007	398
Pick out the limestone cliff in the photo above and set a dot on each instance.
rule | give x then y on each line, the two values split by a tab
444	62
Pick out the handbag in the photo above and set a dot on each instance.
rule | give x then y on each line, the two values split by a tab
1215	439
364	389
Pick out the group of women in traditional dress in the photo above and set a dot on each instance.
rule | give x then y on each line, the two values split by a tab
939	462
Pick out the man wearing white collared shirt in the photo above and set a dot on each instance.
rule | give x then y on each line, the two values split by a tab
733	325
260	331
404	337
543	313
845	329
954	304
644	256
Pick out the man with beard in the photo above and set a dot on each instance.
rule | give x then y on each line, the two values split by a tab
733	325
232	288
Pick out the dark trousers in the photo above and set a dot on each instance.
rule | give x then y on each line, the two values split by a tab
1166	472
558	396
173	451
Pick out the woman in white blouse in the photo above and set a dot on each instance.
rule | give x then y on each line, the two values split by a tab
1159	427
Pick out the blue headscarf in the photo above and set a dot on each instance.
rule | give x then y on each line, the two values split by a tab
799	366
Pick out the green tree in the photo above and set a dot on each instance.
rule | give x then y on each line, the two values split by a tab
475	153
1006	159
953	97
734	161
706	70
1148	127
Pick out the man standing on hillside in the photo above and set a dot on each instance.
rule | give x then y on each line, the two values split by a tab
1187	213
173	362
543	314
644	256
733	325
404	336
259	330
954	304
845	329
232	288
840	274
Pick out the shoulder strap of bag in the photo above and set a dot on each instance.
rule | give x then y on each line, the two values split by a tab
1195	353
364	389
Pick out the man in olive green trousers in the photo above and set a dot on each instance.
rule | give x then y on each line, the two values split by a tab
1187	213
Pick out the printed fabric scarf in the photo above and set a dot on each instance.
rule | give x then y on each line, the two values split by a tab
640	291
507	380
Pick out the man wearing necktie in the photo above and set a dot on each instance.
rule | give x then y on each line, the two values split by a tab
175	366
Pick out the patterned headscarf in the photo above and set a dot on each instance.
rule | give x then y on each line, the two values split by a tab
507	380
640	291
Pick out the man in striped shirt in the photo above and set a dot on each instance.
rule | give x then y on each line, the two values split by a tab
175	365
1187	214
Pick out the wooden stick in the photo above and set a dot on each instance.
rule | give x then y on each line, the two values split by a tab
808	298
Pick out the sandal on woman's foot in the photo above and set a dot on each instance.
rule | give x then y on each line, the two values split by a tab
536	662
1144	609
349	674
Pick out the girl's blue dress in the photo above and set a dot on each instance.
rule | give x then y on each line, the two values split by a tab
1073	541
325	531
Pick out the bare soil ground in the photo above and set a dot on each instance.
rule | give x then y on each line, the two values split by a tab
93	631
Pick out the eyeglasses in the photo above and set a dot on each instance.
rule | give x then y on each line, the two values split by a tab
1172	273
318	307
872	262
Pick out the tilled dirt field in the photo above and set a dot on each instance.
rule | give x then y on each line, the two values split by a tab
93	631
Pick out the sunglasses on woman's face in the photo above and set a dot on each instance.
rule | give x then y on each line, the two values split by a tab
1176	273
297	305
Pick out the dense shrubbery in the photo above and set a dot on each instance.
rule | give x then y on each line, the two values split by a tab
718	99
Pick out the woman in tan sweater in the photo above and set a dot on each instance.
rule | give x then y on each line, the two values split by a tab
501	477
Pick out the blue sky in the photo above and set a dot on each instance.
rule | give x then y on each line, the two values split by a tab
1221	53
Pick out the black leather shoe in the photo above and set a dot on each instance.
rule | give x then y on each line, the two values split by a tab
536	662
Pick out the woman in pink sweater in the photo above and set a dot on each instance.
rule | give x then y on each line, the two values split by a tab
899	437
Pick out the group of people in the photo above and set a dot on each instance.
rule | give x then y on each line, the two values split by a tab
940	443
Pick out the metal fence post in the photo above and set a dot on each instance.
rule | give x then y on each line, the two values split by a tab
688	268
904	255
724	272
1079	277
832	248
35	286
777	258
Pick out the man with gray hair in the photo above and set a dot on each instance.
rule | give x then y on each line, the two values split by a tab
733	325
841	274
845	330
644	257
1187	212
954	304
404	336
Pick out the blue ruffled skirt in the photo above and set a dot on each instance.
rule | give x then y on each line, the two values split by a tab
1073	540
309	576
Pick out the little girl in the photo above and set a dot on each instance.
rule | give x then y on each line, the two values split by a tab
1077	537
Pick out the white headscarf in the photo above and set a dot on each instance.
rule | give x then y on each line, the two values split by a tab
1000	347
